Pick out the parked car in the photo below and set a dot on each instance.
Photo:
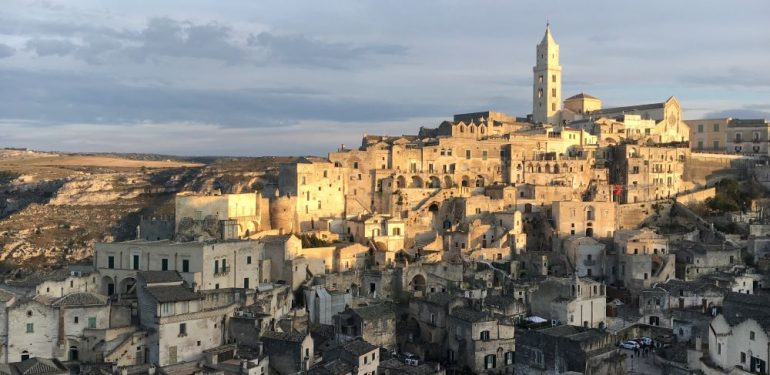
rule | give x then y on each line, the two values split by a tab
630	344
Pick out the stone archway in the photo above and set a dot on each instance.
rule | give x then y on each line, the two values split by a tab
418	283
401	182
416	182
435	182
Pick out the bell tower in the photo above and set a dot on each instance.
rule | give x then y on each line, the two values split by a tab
546	94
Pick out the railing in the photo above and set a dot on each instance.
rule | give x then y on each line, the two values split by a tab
222	271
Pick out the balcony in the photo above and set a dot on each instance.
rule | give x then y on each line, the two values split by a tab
222	271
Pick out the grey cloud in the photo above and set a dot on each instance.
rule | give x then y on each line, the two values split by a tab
49	47
301	50
55	98
6	51
744	113
168	37
730	77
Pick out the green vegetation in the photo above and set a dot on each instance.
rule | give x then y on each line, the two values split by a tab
313	241
732	196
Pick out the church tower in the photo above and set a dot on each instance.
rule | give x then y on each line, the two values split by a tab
546	95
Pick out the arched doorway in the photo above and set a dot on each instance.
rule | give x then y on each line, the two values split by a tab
433	207
448	183
465	181
435	182
416	182
480	181
73	353
418	283
24	356
401	182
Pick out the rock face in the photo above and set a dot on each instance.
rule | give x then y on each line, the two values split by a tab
47	222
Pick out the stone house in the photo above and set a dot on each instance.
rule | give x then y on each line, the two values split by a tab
182	322
697	259
363	357
658	303
207	265
375	324
573	301
289	352
566	349
428	325
738	337
35	366
640	258
479	341
586	255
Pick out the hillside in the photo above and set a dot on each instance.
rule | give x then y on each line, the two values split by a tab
53	207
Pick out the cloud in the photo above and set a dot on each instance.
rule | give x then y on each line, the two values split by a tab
55	98
6	51
49	47
729	77
301	50
740	113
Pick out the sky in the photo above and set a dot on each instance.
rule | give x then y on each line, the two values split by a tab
254	78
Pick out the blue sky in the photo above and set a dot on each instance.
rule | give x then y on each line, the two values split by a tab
300	77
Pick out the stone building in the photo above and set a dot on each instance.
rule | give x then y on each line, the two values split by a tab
657	304
238	215
568	349
479	341
709	135
375	324
641	258
322	304
748	137
318	188
650	172
590	219
428	325
698	259
207	265
738	337
573	301
182	322
586	255
289	352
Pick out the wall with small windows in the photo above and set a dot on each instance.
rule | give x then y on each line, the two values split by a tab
34	331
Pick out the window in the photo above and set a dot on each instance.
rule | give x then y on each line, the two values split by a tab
92	322
164	264
182	329
484	335
111	262
743	357
489	361
751	335
76	320
553	106
484	155
467	154
246	283
553	78
716	127
216	267
248	260
136	261
185	265
30	328
509	358
700	128
553	93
